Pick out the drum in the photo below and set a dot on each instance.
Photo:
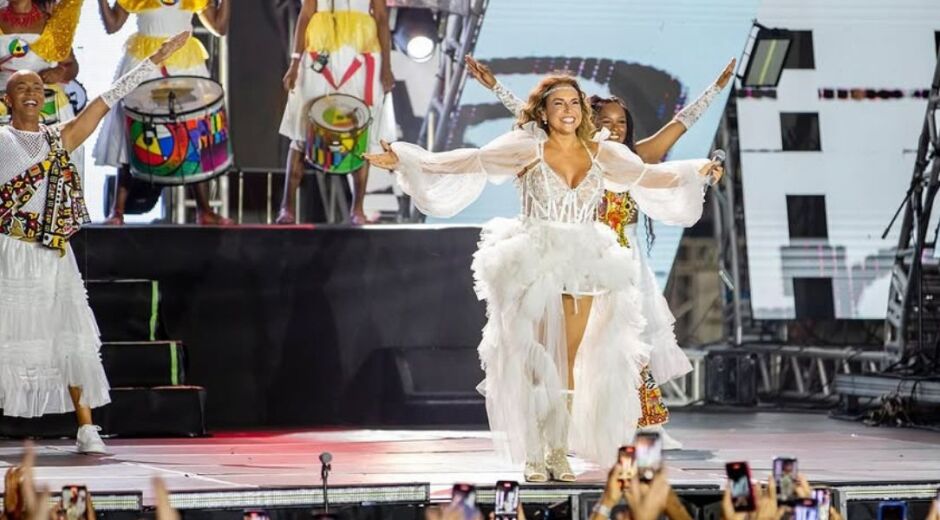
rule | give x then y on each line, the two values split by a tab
337	133
177	130
49	114
77	95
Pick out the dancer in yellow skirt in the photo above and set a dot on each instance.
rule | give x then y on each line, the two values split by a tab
157	20
340	46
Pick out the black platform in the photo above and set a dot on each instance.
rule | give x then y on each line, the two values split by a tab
303	325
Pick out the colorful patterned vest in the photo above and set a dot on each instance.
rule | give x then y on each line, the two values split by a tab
64	212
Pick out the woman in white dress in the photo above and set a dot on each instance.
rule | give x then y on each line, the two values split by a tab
157	20
553	279
38	36
619	211
340	46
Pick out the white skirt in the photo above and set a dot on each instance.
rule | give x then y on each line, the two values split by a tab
521	269
312	85
111	146
667	360
48	336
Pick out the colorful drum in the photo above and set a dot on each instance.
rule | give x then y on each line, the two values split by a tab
77	96
337	133
177	130
49	114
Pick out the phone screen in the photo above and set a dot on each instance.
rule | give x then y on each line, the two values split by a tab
805	509
464	495
742	493
785	474
823	498
892	511
626	458
255	514
649	454
507	499
74	502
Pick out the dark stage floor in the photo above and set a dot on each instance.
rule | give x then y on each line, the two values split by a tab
828	450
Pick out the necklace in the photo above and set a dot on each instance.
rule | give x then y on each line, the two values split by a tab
27	19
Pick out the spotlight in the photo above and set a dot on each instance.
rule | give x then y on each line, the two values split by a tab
768	54
415	33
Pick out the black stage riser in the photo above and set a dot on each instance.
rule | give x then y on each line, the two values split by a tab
283	326
144	363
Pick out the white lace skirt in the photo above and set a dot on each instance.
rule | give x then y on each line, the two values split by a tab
667	360
48	336
522	268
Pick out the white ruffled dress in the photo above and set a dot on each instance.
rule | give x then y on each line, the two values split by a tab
48	335
524	265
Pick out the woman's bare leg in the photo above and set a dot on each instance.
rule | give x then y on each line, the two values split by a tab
577	311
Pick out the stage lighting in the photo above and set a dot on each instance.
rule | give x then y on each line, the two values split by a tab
768	54
415	33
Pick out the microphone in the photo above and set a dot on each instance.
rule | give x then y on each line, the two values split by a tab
719	157
325	459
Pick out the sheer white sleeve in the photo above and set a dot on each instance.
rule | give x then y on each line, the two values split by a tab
671	192
442	184
694	110
128	82
512	102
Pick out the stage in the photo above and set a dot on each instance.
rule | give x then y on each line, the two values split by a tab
843	454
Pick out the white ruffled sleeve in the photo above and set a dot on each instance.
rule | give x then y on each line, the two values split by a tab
671	192
443	184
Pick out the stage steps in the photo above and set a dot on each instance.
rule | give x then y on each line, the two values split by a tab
149	392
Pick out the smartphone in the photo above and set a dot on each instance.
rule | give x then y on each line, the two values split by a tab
892	510
649	455
464	495
255	514
805	509
626	459
506	501
823	498
74	502
785	473
742	491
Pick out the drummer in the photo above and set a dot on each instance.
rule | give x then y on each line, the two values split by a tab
36	36
339	46
156	21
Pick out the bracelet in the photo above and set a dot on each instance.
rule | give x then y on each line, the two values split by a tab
602	510
295	56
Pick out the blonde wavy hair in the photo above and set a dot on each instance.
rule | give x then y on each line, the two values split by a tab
535	105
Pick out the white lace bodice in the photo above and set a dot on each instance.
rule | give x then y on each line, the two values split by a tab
166	21
546	196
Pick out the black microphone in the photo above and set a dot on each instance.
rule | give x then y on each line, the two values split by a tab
325	459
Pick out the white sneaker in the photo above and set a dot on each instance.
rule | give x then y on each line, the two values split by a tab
88	441
669	442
